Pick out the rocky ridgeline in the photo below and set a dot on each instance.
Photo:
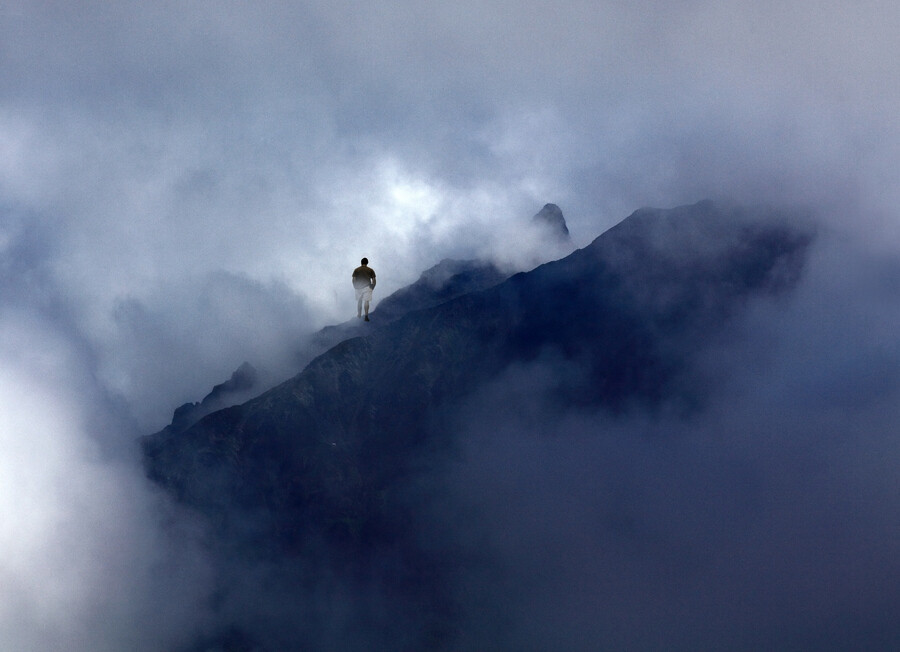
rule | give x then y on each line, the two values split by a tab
329	466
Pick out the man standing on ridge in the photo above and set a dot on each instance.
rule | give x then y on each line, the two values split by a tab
364	283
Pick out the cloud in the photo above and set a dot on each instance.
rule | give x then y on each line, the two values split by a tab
182	140
763	519
210	327
187	185
92	558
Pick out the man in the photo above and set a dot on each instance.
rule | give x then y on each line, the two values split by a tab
364	283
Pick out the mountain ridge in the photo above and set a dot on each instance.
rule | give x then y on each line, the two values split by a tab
446	280
609	335
623	345
326	460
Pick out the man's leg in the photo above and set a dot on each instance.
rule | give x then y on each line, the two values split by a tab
359	303
367	311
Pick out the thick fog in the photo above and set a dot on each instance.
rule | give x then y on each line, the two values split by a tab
764	520
187	185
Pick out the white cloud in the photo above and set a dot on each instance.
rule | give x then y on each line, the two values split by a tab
85	561
184	185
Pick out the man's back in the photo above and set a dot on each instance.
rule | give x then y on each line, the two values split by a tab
363	276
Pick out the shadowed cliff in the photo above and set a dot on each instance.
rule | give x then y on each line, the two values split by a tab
330	465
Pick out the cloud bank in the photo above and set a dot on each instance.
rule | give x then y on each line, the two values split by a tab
763	520
89	552
186	185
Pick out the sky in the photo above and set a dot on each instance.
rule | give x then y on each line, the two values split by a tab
187	185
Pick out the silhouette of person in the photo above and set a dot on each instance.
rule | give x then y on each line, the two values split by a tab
363	283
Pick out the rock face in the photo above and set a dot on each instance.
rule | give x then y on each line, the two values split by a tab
445	281
551	216
242	381
326	465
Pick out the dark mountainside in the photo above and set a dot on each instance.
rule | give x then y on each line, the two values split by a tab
330	480
446	280
242	381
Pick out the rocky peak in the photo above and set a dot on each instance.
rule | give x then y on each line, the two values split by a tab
334	468
551	216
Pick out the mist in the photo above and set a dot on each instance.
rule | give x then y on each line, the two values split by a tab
764	519
186	186
89	550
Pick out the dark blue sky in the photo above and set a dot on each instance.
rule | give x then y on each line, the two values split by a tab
185	185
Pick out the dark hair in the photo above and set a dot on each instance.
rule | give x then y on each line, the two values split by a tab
365	261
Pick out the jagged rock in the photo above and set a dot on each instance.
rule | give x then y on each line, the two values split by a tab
552	217
322	465
443	282
447	280
627	311
242	380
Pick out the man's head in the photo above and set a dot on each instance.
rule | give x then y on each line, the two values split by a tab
364	261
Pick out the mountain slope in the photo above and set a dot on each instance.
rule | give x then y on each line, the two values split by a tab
330	463
445	281
438	284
